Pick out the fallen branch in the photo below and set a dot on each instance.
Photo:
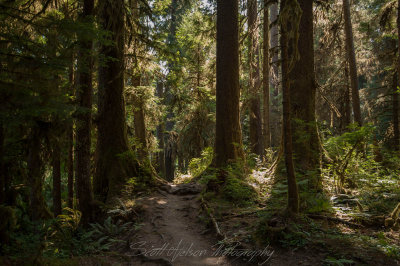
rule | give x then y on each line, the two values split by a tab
243	213
214	221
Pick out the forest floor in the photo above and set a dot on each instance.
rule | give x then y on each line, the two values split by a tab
174	225
172	231
176	229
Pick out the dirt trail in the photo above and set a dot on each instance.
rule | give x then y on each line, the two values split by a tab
172	233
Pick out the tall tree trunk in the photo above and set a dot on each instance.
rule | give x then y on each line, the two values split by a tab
347	102
302	107
70	166
84	118
170	155
396	92
70	142
139	120
2	170
266	78
395	111
169	152
274	41
56	165
351	57
113	163
293	194
256	137
38	209
160	136
228	142
274	79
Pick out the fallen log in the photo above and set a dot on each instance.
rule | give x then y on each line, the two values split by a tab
334	219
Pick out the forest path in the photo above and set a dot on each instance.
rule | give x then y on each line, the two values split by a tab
172	232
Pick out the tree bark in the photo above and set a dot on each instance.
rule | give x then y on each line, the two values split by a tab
56	165
274	79
84	118
395	111
293	194
70	143
70	166
351	57
160	136
2	170
228	142
255	119
139	120
266	77
396	88
170	148
347	101
37	205
114	164
274	46
170	155
306	148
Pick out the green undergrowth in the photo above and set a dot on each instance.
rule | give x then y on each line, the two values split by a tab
198	165
334	242
57	241
229	184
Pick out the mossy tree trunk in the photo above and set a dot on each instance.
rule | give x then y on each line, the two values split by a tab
170	150
37	205
114	163
228	142
170	153
274	79
160	135
266	78
395	111
2	175
351	57
70	166
287	53
139	120
346	118
396	88
256	137
306	148
70	144
56	165
84	118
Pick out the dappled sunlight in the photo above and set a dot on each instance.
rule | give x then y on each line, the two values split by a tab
162	201
182	178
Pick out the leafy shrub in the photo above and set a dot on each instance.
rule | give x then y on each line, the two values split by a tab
7	223
315	202
352	156
107	235
198	165
63	233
